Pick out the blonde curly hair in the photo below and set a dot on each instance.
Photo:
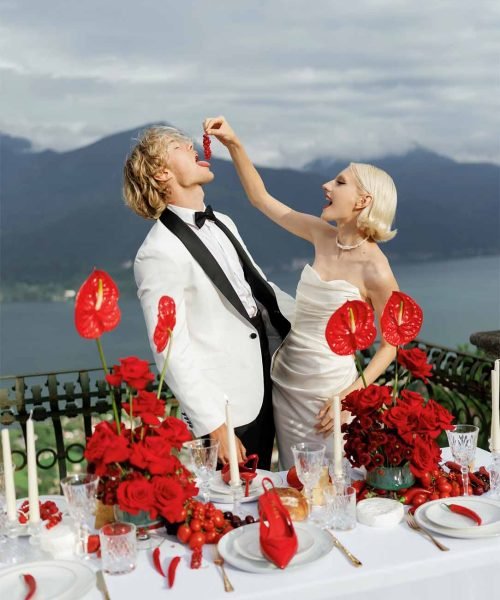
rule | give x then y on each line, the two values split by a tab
375	221
144	194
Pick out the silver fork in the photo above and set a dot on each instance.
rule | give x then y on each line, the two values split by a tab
412	523
219	561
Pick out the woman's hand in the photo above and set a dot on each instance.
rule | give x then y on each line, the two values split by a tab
325	416
220	128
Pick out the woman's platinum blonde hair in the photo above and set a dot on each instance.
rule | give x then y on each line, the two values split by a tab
376	219
144	194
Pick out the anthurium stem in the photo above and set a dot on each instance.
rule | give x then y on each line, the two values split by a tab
395	388
164	370
360	369
131	414
112	394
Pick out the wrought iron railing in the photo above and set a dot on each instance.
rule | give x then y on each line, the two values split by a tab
67	401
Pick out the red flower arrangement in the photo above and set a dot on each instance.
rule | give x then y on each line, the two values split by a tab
138	465
391	426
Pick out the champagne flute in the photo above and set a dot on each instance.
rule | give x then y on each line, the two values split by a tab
463	444
308	458
203	461
80	492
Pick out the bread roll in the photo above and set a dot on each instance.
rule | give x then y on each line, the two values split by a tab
294	502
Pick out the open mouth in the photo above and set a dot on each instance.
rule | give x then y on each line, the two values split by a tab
328	204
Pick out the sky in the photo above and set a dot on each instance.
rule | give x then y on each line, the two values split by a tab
297	79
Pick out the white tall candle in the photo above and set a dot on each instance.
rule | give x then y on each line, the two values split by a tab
338	441
10	488
231	442
495	408
32	471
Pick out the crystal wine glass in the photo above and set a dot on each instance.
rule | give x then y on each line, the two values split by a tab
80	493
463	444
308	463
203	461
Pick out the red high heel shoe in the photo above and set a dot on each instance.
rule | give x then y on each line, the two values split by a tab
278	540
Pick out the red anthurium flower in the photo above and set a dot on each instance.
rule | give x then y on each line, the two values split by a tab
351	328
401	320
96	305
165	324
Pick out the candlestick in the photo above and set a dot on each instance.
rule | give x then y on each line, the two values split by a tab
495	408
10	488
231	442
32	472
338	442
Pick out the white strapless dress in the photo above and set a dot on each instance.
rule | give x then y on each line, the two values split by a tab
305	372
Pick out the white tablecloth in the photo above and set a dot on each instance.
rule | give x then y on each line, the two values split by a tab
397	563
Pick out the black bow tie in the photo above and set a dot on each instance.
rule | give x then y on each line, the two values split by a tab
202	216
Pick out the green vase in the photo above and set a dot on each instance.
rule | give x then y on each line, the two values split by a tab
141	520
390	478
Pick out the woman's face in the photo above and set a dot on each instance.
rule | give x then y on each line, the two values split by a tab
343	197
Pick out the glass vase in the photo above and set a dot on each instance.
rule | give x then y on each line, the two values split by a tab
143	522
390	478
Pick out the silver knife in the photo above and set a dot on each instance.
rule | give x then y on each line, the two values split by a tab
101	585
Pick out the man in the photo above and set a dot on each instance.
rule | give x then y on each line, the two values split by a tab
220	345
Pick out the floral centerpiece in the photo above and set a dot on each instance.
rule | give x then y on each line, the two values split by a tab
393	430
138	464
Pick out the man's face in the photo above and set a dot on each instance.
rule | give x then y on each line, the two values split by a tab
183	165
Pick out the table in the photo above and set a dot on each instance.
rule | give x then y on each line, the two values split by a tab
398	564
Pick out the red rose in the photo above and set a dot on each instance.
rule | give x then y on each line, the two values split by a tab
426	456
146	403
405	418
169	498
415	360
351	328
96	305
105	446
412	398
435	418
136	372
115	377
175	431
367	400
401	319
153	455
136	494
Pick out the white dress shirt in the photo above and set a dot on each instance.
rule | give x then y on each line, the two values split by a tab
224	253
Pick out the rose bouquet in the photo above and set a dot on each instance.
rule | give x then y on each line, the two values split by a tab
391	426
138	465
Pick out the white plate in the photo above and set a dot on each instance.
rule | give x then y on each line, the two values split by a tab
467	533
60	502
55	580
228	548
248	544
440	515
221	492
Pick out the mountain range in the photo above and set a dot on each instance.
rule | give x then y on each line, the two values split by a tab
62	212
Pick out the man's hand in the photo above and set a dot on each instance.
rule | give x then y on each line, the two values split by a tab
220	435
220	128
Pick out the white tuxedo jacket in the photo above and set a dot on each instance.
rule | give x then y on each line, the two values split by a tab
215	349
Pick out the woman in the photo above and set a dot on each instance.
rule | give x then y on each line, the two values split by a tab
348	265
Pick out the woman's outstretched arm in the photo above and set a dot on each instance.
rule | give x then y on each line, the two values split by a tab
300	224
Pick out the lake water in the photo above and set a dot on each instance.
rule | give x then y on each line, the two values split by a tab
458	297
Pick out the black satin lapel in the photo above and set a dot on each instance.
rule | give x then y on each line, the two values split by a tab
204	258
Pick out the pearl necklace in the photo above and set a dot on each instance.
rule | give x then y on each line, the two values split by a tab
346	247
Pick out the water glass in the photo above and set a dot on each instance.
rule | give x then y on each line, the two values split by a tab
494	470
80	492
463	444
308	457
118	548
340	507
202	456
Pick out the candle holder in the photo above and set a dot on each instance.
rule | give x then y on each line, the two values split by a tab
34	551
12	553
237	495
494	470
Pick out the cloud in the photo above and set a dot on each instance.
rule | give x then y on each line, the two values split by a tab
297	79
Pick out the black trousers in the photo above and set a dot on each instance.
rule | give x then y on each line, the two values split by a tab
258	436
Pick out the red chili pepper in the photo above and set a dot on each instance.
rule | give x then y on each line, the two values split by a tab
411	493
466	512
474	479
172	567
30	581
453	466
157	561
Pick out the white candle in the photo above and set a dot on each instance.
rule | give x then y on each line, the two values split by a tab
338	440
231	442
10	488
32	472
495	408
